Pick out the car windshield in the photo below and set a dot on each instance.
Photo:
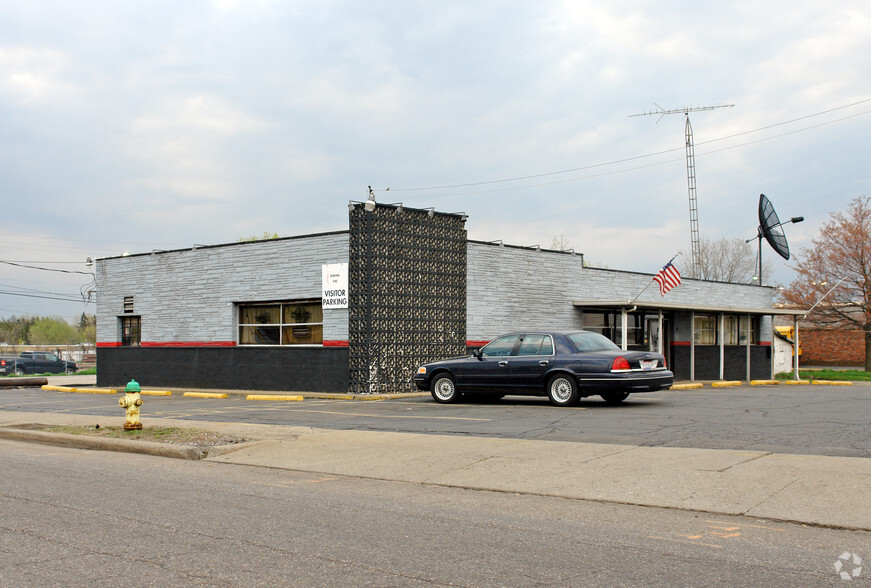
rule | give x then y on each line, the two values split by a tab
587	341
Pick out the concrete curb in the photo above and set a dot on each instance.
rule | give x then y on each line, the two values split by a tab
103	443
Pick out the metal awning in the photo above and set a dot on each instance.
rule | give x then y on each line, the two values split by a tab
653	305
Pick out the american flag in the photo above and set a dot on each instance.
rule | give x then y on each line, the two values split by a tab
667	278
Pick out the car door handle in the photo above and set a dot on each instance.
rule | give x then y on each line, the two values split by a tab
503	363
543	362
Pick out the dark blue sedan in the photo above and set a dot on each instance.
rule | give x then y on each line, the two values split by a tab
562	365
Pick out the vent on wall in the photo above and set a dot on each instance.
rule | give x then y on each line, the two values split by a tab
128	304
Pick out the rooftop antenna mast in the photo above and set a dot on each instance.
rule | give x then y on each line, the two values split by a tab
691	174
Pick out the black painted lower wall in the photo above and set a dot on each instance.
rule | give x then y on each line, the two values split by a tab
735	361
292	369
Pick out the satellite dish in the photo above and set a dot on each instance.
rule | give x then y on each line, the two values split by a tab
770	227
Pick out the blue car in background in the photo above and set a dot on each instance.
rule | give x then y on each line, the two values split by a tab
562	365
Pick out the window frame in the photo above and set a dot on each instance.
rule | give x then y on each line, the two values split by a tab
285	326
739	328
711	329
544	338
128	339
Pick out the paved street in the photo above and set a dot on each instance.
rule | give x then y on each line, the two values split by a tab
85	518
815	420
406	492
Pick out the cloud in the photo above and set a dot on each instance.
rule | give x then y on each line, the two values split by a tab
165	124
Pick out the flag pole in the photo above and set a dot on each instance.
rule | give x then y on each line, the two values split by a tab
634	298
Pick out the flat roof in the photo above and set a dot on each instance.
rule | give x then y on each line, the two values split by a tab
677	306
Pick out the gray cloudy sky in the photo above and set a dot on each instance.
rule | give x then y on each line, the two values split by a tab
132	126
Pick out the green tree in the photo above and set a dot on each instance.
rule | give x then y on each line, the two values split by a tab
53	331
87	329
16	330
266	236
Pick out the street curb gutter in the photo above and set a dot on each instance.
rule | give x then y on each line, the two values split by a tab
106	444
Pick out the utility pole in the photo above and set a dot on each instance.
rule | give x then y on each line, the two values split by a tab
691	175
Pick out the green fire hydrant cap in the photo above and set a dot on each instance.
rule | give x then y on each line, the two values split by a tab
133	386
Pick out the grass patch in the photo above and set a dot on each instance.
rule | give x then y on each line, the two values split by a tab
841	375
171	435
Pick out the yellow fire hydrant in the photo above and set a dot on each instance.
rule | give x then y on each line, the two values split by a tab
131	403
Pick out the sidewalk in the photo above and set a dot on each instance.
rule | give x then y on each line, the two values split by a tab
818	490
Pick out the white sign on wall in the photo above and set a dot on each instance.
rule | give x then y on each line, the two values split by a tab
334	292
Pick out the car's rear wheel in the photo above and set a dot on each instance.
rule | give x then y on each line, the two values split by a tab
562	390
614	397
19	371
444	389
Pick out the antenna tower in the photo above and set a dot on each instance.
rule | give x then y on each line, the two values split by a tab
691	174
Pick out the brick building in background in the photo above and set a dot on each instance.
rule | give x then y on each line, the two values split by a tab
831	343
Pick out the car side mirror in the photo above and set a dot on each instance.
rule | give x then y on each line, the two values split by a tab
477	353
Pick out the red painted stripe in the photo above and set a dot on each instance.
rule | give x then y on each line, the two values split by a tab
476	343
203	344
688	343
188	344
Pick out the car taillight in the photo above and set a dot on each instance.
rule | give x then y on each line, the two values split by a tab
619	364
2	362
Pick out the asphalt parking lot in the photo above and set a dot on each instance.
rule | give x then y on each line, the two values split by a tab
811	419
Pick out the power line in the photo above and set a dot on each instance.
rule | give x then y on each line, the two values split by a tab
46	269
639	167
638	157
61	298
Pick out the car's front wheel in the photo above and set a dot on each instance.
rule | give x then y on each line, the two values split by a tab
614	397
562	390
444	389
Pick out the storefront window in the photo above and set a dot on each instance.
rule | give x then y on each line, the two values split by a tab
609	324
748	330
737	330
282	323
705	329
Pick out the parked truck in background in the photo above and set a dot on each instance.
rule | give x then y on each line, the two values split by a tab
35	362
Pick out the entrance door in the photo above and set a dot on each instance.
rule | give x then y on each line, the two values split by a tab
654	334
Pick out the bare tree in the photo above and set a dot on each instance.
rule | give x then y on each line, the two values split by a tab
728	260
839	260
561	243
